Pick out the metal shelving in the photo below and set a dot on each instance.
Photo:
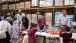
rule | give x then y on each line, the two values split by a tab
37	9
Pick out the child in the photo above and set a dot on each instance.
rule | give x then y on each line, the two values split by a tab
14	32
66	35
31	33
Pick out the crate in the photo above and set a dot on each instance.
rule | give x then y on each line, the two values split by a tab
40	39
55	40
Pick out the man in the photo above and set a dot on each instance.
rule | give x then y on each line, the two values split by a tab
63	20
9	18
42	22
5	31
19	16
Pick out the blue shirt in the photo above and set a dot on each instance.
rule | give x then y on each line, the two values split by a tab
42	22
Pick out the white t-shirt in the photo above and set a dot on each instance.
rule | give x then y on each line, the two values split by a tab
19	17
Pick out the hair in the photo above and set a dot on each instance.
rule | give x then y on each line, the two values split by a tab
14	19
26	19
13	13
11	22
64	9
67	28
1	14
33	25
43	15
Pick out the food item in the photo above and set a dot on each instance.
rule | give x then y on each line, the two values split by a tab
54	32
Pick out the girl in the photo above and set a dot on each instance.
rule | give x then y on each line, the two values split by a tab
31	33
14	32
66	35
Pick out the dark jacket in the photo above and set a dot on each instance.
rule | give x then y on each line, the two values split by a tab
26	25
66	36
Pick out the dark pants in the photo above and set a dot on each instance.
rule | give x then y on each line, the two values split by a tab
42	27
6	40
62	29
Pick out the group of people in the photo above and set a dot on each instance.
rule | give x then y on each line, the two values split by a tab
9	27
13	24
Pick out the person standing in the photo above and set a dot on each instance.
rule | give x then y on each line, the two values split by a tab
5	30
25	23
63	20
15	32
66	35
9	18
31	33
42	22
19	16
12	15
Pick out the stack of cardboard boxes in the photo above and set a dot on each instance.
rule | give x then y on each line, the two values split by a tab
27	4
11	6
5	6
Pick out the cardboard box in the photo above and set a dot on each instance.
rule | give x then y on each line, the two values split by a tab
34	3
27	4
56	40
29	17
42	3
10	0
17	5
71	2
48	17
21	5
58	2
5	6
48	3
11	6
39	39
13	0
68	2
34	18
3	0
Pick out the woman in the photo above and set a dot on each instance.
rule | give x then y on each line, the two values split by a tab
31	33
42	22
25	23
12	15
66	35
